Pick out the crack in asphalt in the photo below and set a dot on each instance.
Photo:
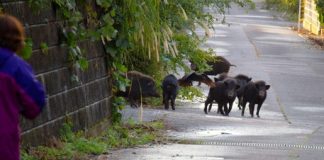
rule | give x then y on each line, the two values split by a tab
282	110
257	51
316	130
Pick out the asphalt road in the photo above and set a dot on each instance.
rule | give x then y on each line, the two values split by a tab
264	47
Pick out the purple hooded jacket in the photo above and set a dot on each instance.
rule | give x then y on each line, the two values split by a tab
20	93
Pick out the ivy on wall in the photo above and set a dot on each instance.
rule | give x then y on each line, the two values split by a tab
26	52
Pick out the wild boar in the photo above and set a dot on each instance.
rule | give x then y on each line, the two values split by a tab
254	93
187	80
141	86
170	89
242	81
223	93
218	64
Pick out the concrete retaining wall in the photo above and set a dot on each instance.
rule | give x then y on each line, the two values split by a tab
87	101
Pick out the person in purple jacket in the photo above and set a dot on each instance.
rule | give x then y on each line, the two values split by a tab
20	92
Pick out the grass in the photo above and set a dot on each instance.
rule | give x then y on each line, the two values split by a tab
185	93
154	102
190	93
77	146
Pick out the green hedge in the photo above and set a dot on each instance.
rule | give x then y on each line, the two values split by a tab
290	7
320	8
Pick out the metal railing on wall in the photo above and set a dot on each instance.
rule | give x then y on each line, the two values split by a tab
311	17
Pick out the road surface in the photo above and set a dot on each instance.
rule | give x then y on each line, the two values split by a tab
264	47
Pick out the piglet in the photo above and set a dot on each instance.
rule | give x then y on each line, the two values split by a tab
170	89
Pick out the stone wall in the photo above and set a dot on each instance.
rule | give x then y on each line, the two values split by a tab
86	102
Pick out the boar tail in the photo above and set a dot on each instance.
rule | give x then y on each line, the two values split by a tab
232	65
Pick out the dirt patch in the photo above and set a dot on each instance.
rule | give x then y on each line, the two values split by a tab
317	40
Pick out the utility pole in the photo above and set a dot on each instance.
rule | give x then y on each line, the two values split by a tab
299	15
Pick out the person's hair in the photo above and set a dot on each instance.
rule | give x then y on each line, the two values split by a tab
12	34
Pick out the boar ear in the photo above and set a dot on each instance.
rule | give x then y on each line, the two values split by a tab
249	79
267	87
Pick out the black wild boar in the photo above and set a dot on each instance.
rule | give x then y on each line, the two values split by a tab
170	90
254	93
186	80
242	81
141	86
223	93
218	64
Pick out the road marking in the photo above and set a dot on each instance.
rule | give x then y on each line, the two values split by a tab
260	145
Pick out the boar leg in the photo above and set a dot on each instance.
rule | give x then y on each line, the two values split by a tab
243	107
251	107
220	108
166	101
208	101
239	102
230	107
172	102
132	103
258	109
226	110
210	106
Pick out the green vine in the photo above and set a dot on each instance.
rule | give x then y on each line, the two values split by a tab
97	27
73	31
44	48
107	33
38	5
27	51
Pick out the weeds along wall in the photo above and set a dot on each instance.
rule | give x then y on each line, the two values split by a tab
83	97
